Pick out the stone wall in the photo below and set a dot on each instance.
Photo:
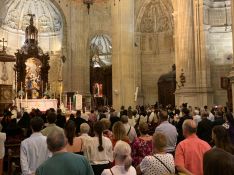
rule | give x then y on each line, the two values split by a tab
157	59
154	26
219	45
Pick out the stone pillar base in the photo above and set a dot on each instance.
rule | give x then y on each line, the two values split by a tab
195	97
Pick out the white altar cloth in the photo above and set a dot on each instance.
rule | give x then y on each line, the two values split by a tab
41	104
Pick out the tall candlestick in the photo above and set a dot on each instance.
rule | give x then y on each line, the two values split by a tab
60	98
60	94
42	88
26	98
16	90
21	87
21	94
70	103
21	101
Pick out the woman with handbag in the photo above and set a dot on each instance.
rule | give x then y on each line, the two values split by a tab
160	162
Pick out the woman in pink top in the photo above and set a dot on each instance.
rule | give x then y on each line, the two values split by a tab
74	143
141	146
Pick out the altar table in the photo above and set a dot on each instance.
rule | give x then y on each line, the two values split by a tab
41	104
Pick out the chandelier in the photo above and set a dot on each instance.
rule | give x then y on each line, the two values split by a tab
88	3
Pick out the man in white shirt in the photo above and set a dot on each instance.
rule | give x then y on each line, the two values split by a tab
131	132
33	150
168	130
196	116
211	116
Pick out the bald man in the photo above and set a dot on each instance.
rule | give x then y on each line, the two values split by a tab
189	152
63	162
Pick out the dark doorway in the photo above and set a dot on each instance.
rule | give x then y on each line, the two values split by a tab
226	84
101	85
167	88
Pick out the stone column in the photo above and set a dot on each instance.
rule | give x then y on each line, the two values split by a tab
231	76
87	25
123	68
190	54
76	67
185	50
203	77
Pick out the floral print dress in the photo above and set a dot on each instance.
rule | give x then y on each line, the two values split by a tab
140	149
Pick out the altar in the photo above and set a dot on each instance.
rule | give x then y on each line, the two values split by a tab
41	104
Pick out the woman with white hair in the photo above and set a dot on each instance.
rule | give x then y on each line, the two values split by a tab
123	160
160	162
84	136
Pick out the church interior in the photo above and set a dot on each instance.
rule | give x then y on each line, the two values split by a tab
86	55
124	48
127	48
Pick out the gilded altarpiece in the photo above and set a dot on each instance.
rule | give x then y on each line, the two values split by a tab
32	66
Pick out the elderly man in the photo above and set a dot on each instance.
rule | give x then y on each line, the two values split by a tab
169	131
63	162
33	150
189	152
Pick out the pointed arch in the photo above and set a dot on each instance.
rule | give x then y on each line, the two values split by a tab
169	6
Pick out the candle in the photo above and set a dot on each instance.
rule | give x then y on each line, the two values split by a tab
70	103
21	94
46	87
42	88
60	97
66	100
21	99
26	97
60	94
16	90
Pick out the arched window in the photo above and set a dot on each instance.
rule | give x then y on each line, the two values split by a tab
101	51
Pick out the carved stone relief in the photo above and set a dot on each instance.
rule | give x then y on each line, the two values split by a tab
157	17
48	18
44	24
4	76
12	19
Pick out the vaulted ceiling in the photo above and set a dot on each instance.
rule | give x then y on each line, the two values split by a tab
47	17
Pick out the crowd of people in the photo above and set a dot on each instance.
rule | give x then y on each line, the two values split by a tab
148	140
